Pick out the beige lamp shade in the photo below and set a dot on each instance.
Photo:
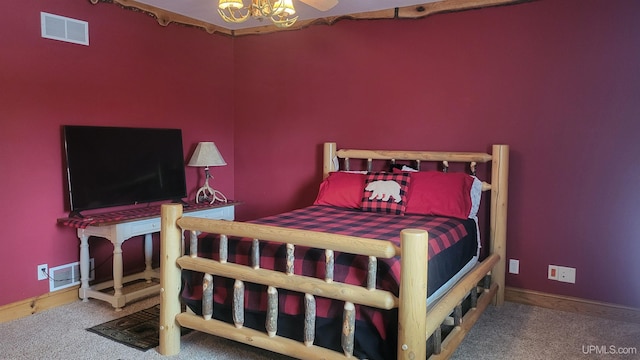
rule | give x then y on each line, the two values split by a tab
206	154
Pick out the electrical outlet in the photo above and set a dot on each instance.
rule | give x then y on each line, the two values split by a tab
514	266
562	273
43	272
567	274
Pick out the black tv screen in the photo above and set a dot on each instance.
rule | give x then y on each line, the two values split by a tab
112	166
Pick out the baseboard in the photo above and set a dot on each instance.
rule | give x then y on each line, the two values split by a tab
38	304
572	304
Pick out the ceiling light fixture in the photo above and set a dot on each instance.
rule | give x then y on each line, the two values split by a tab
280	12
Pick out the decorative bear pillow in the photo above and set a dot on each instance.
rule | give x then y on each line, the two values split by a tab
386	192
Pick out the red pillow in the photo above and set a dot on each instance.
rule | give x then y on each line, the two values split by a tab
341	189
386	192
440	194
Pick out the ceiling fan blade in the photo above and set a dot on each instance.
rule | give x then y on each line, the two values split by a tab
322	5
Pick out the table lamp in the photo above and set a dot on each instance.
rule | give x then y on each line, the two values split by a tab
205	155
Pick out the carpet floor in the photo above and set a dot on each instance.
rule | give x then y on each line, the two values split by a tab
513	331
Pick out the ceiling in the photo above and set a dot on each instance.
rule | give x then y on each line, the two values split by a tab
206	10
204	14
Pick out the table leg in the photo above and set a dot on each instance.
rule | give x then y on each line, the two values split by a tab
148	253
84	266
117	272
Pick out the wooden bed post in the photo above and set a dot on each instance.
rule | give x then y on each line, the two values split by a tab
170	235
327	159
498	230
412	327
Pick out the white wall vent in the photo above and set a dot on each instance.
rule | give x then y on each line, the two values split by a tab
64	276
64	29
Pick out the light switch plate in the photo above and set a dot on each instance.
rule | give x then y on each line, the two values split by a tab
514	266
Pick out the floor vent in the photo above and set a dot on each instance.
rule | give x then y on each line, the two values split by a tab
64	29
67	275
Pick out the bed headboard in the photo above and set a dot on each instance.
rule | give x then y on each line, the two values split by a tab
497	184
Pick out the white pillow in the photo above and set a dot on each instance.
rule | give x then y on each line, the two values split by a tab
476	195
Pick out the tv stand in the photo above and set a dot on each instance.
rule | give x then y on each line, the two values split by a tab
118	227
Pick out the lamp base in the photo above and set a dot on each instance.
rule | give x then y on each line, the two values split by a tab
207	194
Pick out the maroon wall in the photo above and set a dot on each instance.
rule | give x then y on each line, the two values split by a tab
134	73
556	80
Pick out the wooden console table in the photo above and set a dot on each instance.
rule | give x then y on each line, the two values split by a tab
118	227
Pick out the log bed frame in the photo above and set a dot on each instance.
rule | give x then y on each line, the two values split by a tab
416	323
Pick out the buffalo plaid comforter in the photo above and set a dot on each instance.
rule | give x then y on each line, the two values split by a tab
443	234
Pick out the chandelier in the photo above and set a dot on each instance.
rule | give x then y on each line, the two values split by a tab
280	12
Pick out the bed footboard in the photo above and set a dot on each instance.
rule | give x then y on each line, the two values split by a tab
414	244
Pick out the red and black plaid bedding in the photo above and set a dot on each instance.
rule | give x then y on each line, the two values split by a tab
444	233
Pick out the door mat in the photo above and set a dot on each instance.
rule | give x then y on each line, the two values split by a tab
138	330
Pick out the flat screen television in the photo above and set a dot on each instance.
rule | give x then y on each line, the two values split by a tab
113	166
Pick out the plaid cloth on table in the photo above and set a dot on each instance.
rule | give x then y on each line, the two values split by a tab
128	214
350	269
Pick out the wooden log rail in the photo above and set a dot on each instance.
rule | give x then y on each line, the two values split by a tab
307	285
